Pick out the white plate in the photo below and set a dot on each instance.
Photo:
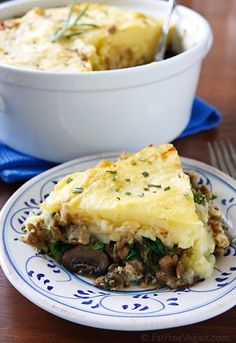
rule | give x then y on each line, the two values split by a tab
51	287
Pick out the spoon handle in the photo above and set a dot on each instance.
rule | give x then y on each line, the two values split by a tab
165	29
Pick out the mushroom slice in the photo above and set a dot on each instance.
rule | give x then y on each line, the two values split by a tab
83	260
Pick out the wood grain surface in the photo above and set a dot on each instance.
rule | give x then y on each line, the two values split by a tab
23	322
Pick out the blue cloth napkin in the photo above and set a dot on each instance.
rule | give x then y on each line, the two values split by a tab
15	166
204	117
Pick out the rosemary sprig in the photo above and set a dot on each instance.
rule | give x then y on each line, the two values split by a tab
63	32
60	32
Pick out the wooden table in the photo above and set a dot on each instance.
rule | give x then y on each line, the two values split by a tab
21	321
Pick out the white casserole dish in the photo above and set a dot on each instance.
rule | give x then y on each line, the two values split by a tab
60	116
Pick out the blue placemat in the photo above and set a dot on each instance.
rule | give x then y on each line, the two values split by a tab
15	166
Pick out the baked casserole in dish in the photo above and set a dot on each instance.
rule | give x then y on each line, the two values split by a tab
84	37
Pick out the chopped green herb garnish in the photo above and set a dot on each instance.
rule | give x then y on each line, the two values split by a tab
37	212
117	190
78	190
127	180
146	189
114	172
145	174
199	198
58	248
114	178
128	193
152	185
141	195
96	244
167	188
186	195
213	197
117	198
69	180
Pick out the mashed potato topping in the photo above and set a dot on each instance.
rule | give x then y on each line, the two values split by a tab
105	37
142	205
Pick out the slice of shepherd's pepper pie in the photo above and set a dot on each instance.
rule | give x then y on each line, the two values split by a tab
140	219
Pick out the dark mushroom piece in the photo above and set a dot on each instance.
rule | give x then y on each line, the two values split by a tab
83	260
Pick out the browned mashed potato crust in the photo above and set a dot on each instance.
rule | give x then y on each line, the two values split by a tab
105	37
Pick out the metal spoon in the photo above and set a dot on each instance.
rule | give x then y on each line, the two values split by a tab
160	54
